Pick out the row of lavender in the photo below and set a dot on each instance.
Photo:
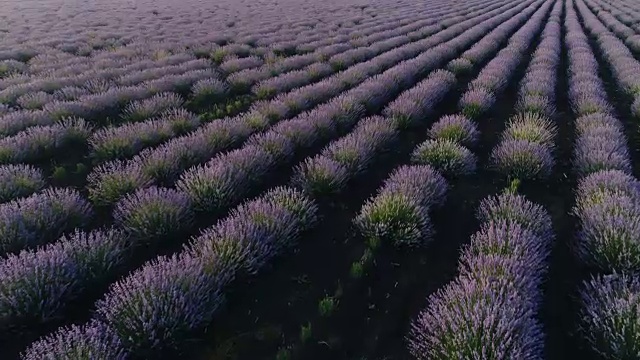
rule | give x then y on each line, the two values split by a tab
492	307
248	153
165	163
606	197
129	139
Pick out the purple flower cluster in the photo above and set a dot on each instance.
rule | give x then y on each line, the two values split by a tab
129	139
18	181
41	142
160	305
344	159
490	310
92	341
400	211
208	91
456	128
154	213
600	145
291	80
145	109
36	286
40	218
609	315
416	104
475	102
227	179
608	209
447	156
525	151
620	59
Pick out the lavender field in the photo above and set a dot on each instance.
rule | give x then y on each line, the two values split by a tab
336	179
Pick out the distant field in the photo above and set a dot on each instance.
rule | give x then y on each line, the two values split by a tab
296	179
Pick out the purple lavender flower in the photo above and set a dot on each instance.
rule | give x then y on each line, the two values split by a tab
129	139
446	156
302	207
608	317
456	128
635	107
590	103
476	101
531	127
157	307
510	239
522	159
513	208
37	285
40	218
491	82
601	148
320	176
41	142
471	319
460	66
421	182
535	104
19	180
34	100
227	179
109	182
238	64
92	341
153	106
597	186
207	91
609	234
154	214
395	217
276	144
248	238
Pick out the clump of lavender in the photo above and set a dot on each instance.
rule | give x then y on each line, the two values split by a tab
609	235
446	156
34	100
227	179
475	102
37	285
19	180
516	208
522	159
609	316
154	214
460	66
396	218
129	139
145	109
471	319
635	107
302	207
456	128
92	341
400	211
40	218
209	91
536	104
109	182
596	187
320	176
248	238
531	127
510	239
278	145
157	307
41	142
